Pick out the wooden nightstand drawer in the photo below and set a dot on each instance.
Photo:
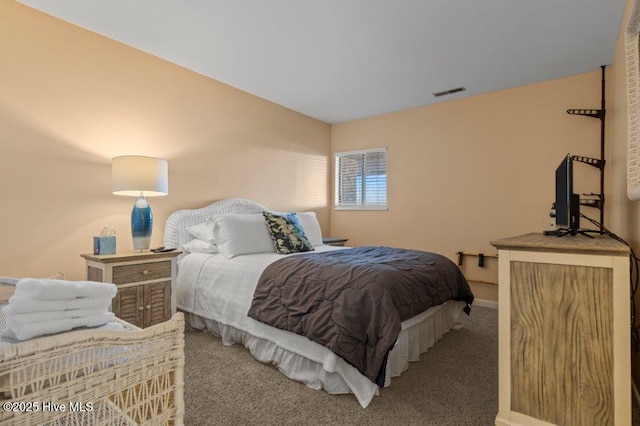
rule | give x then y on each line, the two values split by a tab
126	274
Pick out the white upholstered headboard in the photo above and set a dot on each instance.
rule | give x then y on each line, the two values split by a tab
175	230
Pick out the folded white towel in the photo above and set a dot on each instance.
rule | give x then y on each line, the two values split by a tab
112	326
30	331
20	305
50	289
7	337
18	320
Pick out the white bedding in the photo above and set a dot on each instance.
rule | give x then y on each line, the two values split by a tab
218	289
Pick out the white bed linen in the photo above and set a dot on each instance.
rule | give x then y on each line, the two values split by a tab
219	291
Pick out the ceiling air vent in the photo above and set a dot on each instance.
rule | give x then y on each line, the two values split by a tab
449	92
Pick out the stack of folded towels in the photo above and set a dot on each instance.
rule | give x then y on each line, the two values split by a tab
47	306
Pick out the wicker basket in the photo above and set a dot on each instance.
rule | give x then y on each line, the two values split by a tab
96	377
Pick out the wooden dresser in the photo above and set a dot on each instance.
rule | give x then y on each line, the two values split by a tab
146	284
564	331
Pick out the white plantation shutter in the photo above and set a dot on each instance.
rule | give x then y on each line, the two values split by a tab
632	57
361	179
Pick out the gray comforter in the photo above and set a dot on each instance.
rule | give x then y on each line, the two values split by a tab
352	301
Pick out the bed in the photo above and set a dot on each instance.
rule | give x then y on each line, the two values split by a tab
95	377
216	292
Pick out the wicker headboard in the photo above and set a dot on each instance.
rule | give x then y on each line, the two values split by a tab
175	230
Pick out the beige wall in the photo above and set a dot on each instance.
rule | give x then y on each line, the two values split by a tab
70	100
465	172
461	173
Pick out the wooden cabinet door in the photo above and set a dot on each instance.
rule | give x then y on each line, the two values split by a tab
128	305
562	343
157	303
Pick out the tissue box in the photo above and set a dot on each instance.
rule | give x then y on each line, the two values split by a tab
104	245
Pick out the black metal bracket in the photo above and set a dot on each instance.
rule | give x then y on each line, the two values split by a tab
595	113
599	163
597	200
481	257
595	162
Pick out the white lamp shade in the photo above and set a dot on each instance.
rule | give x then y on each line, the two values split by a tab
135	175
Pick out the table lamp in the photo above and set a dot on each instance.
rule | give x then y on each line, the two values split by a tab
141	177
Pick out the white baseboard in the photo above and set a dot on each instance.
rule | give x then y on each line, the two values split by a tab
485	303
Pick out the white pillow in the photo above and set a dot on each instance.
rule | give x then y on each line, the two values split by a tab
311	227
200	246
238	233
202	231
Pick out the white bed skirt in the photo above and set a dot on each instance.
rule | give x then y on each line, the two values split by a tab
418	335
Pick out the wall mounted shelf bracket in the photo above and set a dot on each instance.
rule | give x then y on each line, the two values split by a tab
595	162
598	201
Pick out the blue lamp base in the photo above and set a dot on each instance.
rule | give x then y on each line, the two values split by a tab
141	224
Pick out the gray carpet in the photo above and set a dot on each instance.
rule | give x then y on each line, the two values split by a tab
454	383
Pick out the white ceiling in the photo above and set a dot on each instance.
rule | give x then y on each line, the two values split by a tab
339	60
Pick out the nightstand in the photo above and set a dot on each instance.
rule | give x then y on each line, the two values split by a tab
334	241
146	284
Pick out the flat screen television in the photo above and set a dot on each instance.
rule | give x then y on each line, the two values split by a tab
567	203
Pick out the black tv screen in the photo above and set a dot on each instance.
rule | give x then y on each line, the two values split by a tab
567	203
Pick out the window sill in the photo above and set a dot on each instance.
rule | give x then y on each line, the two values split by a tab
377	208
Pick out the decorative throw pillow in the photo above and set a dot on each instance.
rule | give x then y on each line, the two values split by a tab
287	233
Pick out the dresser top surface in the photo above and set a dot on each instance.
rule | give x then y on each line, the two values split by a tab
536	241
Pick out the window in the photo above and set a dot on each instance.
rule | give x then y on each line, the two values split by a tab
632	57
361	179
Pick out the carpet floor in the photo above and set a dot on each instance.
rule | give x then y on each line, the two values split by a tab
454	383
